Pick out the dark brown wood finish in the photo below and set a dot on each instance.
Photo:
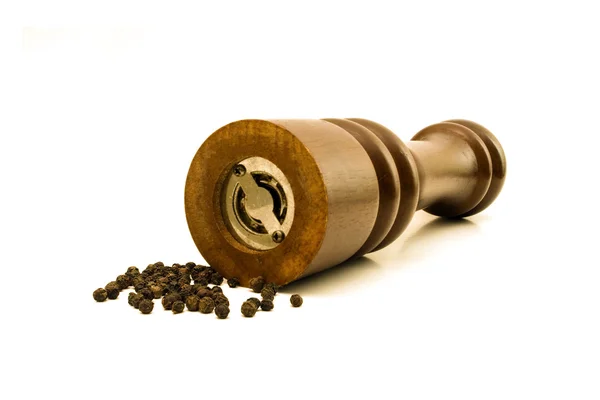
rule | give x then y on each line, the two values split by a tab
355	187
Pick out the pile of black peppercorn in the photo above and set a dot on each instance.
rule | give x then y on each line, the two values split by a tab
187	286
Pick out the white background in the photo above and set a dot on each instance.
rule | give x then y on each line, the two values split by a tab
114	101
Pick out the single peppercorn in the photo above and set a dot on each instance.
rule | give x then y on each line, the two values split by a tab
202	281
274	287
222	311
257	284
192	302
266	305
112	290
130	297
163	280
206	305
146	306
233	282
178	307
205	275
221	299
123	281
138	279
203	292
147	293
196	288
158	264
100	295
157	290
184	280
196	271
267	294
254	301
190	264
132	272
248	309
216	289
139	287
169	299
296	300
216	278
185	290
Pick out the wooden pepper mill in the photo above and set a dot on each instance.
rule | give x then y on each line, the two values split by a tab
284	199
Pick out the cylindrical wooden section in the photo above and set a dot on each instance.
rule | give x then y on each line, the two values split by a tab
331	179
454	167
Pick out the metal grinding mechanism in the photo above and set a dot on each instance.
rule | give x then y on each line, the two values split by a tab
284	199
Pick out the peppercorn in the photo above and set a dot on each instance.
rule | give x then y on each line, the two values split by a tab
202	281
233	282
184	280
203	292
196	288
257	284
163	280
216	278
158	264
157	290
169	299
221	299
296	300
216	289
178	307
100	295
123	281
147	293
267	294
132	272
146	306
248	309
185	290
274	287
254	301
192	302
190	264
198	269
222	311
112	290
138	279
205	275
266	305
206	305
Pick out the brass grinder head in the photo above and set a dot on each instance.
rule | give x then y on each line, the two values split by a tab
284	199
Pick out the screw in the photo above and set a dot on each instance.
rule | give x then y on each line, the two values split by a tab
239	170
278	236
